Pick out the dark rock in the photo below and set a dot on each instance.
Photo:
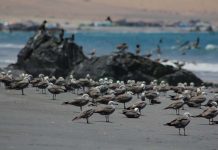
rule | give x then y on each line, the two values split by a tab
45	54
181	76
125	66
50	55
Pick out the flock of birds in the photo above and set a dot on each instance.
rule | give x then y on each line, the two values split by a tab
102	96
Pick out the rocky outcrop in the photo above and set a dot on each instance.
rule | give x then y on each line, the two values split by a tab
125	66
49	55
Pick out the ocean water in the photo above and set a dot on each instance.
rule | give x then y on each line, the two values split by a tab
203	61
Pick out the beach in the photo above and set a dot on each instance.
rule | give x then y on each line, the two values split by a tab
75	12
34	121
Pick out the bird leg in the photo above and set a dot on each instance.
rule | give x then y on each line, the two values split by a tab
87	120
184	131
81	108
124	105
106	117
22	92
179	132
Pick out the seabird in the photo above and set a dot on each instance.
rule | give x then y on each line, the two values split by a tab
20	85
138	89
140	105
84	82
120	90
175	105
124	98
105	99
60	81
43	84
122	47
80	102
197	100
85	115
209	113
42	26
55	89
151	96
94	93
180	122
92	53
132	113
106	110
138	49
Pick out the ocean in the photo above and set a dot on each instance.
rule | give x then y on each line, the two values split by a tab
203	61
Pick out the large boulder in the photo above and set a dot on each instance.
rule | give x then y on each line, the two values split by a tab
46	54
125	66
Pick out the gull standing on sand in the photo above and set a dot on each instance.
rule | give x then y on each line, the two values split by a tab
197	100
80	101
106	110
176	105
55	89
209	113
180	122
124	98
85	115
21	85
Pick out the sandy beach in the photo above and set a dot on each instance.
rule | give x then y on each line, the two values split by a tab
75	11
34	121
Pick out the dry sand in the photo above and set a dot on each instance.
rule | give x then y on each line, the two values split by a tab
34	121
75	11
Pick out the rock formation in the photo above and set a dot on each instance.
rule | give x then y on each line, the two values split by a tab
46	53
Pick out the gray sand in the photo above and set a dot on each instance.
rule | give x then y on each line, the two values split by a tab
35	122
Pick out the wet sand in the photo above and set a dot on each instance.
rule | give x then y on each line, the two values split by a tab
34	121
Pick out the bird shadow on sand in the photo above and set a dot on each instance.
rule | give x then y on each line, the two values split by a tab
206	124
181	135
80	122
104	121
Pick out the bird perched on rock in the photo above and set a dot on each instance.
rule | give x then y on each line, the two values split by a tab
85	115
138	50
42	26
92	54
122	47
180	122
